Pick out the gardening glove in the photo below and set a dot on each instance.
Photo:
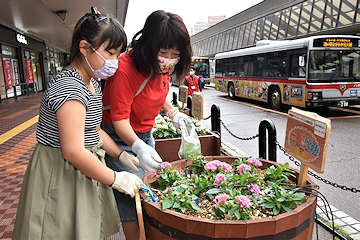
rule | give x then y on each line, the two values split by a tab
129	160
177	117
149	159
127	183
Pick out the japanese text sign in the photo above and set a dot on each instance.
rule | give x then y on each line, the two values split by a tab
7	73
307	138
183	93
197	105
29	71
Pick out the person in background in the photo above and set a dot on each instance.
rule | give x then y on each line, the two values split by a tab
66	192
137	92
192	82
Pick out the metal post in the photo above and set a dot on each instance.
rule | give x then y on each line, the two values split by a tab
14	86
27	89
215	118
269	125
174	98
189	104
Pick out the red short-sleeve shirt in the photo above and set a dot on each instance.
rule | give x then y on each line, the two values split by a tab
120	90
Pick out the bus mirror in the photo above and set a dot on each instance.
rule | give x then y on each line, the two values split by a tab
301	61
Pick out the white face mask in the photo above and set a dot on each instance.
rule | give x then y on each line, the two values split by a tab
192	72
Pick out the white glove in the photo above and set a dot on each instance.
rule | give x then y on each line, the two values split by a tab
129	160
176	119
127	183
150	161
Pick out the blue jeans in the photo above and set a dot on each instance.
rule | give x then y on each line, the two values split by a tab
126	204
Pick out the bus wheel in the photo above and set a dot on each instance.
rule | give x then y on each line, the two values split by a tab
274	98
231	91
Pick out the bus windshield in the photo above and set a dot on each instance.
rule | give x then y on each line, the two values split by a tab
334	66
202	68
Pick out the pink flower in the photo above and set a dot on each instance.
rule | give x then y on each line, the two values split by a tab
221	200
254	188
213	165
167	165
154	174
228	216
241	167
219	177
243	201
255	162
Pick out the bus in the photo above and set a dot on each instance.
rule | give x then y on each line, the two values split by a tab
201	66
317	71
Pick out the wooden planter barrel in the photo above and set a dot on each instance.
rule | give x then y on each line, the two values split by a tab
168	148
166	224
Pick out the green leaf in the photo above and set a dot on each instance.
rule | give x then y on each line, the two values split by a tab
215	191
269	205
176	205
178	191
182	208
276	210
194	206
298	196
167	203
286	208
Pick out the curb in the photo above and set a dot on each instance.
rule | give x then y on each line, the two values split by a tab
347	224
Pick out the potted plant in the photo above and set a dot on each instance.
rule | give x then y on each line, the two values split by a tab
218	197
168	139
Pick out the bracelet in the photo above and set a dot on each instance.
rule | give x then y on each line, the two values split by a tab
120	154
114	178
171	112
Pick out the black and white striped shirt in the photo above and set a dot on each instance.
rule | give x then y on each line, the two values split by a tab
69	86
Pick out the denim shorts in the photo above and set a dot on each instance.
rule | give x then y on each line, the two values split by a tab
126	204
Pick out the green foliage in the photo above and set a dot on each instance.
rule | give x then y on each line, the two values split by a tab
281	199
278	173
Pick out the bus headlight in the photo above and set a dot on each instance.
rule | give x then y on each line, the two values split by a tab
314	96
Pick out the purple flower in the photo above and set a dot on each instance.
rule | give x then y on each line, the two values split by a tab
213	165
167	165
241	167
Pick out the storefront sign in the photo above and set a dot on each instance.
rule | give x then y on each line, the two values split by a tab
29	71
21	38
307	138
197	103
7	73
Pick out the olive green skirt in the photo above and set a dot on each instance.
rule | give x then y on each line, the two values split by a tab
59	202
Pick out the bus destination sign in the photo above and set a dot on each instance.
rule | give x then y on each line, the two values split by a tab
336	42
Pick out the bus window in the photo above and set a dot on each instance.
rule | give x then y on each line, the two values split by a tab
297	70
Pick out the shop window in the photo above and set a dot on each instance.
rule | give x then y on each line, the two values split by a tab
8	50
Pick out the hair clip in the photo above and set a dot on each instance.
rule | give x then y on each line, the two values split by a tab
99	19
94	10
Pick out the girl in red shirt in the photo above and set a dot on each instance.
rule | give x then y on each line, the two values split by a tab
192	81
137	92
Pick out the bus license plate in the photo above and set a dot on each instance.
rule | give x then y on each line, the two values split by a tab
342	103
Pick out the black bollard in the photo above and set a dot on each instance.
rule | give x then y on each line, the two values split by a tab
174	99
269	125
215	119
189	105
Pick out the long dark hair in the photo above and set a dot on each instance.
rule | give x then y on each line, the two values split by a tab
161	30
97	29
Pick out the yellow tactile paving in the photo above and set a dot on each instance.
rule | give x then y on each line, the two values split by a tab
14	115
16	152
9	134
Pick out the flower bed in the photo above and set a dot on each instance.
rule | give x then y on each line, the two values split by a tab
168	139
236	189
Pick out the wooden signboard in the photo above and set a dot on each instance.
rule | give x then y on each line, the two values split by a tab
307	139
183	93
197	105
